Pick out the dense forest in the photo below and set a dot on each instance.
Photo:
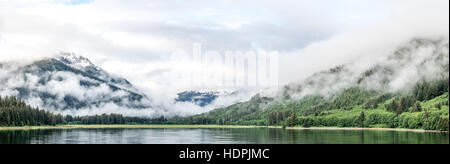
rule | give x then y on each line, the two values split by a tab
15	112
425	107
111	119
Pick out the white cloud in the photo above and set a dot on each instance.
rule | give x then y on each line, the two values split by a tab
415	19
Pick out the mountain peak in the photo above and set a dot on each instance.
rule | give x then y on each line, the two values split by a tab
74	59
78	62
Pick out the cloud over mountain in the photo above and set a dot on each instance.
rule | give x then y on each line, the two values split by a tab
135	39
68	83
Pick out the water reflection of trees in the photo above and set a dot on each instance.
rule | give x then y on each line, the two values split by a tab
245	135
281	136
26	136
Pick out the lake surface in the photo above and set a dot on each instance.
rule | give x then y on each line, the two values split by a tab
218	136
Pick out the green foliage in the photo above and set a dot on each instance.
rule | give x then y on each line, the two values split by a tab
292	121
374	102
417	107
428	90
14	112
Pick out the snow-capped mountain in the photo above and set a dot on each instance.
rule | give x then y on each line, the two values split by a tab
82	63
77	61
68	82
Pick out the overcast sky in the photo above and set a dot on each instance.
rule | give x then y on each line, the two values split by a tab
132	38
144	30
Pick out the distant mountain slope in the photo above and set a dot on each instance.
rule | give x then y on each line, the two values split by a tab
201	98
68	82
418	60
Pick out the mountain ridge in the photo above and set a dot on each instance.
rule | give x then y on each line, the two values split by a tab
93	87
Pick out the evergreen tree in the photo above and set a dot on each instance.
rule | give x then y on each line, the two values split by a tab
292	122
392	107
361	119
399	109
417	107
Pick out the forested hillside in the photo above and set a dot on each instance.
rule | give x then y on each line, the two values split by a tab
427	107
407	88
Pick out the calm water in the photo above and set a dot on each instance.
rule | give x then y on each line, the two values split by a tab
218	136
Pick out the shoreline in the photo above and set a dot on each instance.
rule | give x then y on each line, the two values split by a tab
371	129
131	127
208	127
